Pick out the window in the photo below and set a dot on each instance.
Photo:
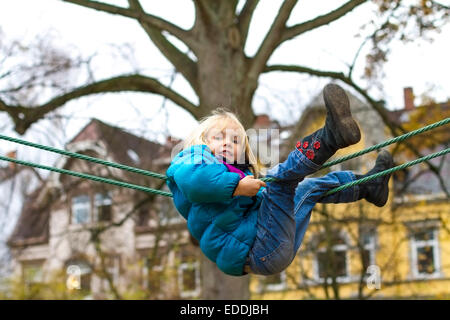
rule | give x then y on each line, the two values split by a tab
81	209
331	258
143	216
189	273
423	183
189	279
85	272
102	206
368	242
32	273
160	213
276	282
425	253
153	275
133	156
168	214
351	164
88	208
112	268
335	263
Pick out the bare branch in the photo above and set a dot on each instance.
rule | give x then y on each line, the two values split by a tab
245	17
396	129
320	21
3	106
180	60
271	41
24	117
184	35
440	5
205	10
335	75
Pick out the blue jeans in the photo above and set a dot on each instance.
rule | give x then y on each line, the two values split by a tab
286	210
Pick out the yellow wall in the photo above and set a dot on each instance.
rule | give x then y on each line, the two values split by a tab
393	253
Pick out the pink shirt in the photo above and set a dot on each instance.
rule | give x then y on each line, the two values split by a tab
234	169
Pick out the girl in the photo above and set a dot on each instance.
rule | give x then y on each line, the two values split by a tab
245	225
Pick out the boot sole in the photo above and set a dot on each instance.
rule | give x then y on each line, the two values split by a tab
337	104
389	163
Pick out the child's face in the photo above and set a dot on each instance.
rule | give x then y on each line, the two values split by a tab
226	143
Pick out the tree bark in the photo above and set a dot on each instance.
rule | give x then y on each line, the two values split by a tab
223	82
218	286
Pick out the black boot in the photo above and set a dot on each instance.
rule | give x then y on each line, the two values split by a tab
340	129
376	191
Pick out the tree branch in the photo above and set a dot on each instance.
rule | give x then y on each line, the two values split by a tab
440	5
183	35
3	106
335	75
25	116
396	129
320	21
271	41
179	60
245	17
204	11
149	22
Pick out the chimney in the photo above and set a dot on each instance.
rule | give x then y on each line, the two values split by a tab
12	154
262	121
170	141
408	96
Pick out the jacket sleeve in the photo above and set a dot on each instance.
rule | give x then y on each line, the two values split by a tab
206	182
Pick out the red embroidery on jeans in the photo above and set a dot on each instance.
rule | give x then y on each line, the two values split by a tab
310	154
317	145
305	144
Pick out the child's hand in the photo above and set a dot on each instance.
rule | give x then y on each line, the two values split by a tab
248	186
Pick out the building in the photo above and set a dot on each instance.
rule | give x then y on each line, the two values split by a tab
360	251
126	244
109	241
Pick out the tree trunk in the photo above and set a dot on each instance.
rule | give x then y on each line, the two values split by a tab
223	79
218	286
223	82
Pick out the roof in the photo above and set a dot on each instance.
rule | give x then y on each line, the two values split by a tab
369	119
402	115
316	109
11	169
32	226
120	142
123	147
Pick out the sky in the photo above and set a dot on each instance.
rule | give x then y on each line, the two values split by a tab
82	31
107	38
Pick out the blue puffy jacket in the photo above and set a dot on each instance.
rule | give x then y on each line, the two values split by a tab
225	226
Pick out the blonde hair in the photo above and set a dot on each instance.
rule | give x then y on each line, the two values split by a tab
220	119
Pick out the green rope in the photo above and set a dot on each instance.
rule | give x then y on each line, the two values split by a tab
378	146
89	177
388	171
388	142
268	179
84	157
167	194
